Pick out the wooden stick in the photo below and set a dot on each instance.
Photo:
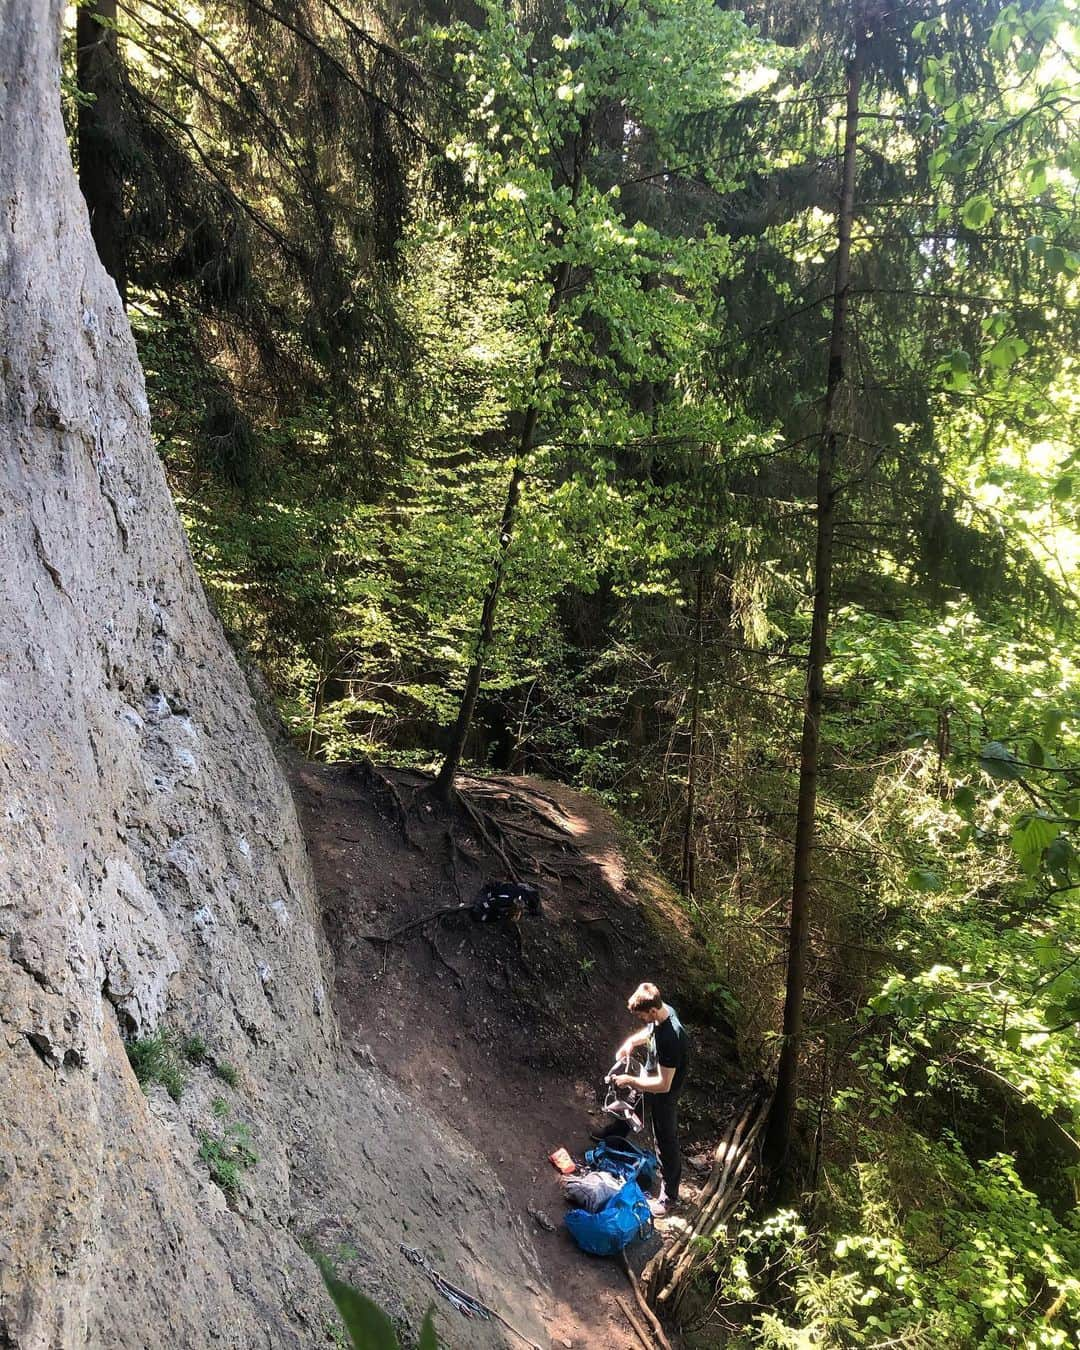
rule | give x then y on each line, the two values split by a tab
656	1272
735	1163
413	924
717	1213
650	1316
643	1336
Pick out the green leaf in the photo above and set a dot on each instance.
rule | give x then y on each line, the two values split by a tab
956	366
1004	353
1031	834
1052	722
1036	754
977	212
428	1339
1047	953
1036	172
368	1326
1063	488
999	761
964	798
1059	856
924	879
1012	1038
1053	1015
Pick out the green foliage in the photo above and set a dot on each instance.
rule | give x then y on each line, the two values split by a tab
194	1049
227	1151
923	1249
368	1326
676	169
155	1060
228	1073
161	1057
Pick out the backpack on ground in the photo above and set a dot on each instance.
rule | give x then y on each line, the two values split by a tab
505	901
624	1159
623	1219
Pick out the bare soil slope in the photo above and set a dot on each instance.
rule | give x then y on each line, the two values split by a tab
507	1042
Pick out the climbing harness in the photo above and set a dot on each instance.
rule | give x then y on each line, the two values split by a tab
623	1108
458	1298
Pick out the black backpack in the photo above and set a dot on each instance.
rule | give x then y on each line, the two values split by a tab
504	901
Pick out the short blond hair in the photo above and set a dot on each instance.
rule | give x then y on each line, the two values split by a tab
645	998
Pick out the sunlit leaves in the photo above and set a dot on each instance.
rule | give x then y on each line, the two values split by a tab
977	212
1031	836
1005	352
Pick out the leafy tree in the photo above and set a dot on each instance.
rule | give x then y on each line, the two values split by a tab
561	249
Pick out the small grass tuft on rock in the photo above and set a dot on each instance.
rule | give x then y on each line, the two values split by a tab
194	1050
228	1073
158	1059
228	1153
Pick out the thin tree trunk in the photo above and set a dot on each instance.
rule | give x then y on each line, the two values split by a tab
444	782
689	858
100	116
782	1115
317	702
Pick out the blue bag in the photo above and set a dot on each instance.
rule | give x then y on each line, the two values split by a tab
623	1220
624	1159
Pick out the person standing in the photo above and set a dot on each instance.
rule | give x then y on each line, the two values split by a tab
667	1057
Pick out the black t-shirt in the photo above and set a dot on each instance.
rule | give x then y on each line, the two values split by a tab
669	1047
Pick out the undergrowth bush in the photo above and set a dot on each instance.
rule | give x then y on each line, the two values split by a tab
974	1260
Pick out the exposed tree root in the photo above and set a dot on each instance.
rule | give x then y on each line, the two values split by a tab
434	945
396	934
386	795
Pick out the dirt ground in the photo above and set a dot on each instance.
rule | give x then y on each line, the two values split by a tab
508	1042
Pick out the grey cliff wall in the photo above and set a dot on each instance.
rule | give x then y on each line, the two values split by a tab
152	872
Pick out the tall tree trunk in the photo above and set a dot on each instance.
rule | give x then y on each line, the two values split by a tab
100	118
689	857
782	1116
444	782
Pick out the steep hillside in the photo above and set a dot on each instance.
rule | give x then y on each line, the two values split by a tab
154	875
508	1039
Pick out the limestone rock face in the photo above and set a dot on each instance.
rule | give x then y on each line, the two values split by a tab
152	874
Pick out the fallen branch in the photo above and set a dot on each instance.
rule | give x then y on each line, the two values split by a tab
650	1316
642	1335
667	1276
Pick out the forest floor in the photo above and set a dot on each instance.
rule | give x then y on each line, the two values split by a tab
509	1043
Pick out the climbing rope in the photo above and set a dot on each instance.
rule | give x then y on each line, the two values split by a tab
465	1303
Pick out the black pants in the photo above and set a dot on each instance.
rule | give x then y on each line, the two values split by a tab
664	1108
